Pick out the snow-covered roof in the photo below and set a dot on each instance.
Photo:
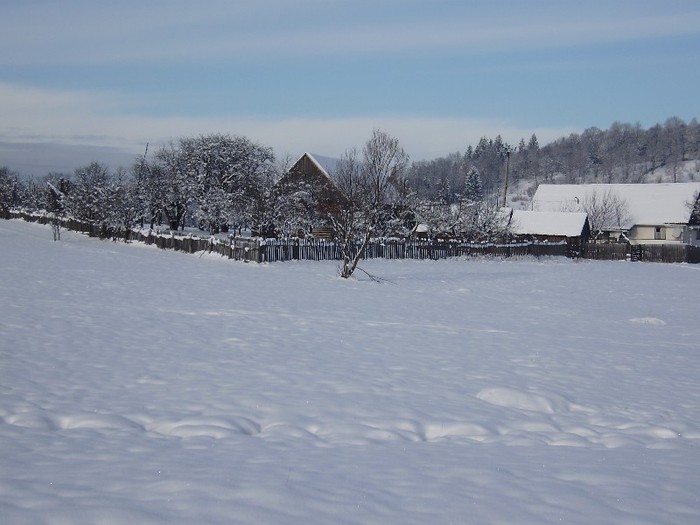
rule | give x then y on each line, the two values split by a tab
55	190
326	164
554	223
646	204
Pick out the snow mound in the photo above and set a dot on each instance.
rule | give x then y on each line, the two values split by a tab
648	320
518	399
213	427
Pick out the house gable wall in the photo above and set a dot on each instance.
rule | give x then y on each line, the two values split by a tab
308	172
659	234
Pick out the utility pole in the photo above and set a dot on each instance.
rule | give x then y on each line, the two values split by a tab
505	186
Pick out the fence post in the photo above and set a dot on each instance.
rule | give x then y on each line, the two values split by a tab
635	253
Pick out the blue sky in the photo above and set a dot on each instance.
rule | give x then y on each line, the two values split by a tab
97	80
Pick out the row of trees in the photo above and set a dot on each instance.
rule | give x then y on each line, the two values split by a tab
217	182
213	182
215	169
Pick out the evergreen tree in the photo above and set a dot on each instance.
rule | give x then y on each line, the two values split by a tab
533	145
472	186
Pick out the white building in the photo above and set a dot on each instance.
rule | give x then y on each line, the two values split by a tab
638	213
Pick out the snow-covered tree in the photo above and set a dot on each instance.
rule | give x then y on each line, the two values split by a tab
10	189
56	191
89	195
368	187
399	220
439	178
125	207
486	222
272	211
225	172
167	187
489	157
471	220
473	191
294	209
441	218
150	191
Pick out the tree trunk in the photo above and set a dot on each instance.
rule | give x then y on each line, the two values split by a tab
350	263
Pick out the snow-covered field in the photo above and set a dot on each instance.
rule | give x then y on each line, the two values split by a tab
142	386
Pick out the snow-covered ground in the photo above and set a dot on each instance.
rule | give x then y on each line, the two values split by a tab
142	386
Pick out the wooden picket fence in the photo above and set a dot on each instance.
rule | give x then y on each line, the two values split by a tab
666	253
242	249
274	250
238	248
277	250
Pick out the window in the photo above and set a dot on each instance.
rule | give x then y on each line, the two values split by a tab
659	233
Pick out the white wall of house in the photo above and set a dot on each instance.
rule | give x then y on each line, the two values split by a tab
658	234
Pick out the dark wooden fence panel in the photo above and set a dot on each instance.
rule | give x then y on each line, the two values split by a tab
606	252
666	253
274	250
693	254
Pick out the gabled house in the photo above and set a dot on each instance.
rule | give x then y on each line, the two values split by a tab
634	213
551	226
315	173
313	169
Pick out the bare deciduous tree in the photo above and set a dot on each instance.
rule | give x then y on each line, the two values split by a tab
605	210
55	205
368	187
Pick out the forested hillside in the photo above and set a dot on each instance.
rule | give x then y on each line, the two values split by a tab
624	153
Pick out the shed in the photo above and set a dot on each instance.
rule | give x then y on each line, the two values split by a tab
551	226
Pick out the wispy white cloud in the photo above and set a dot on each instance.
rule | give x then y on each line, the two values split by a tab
92	33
